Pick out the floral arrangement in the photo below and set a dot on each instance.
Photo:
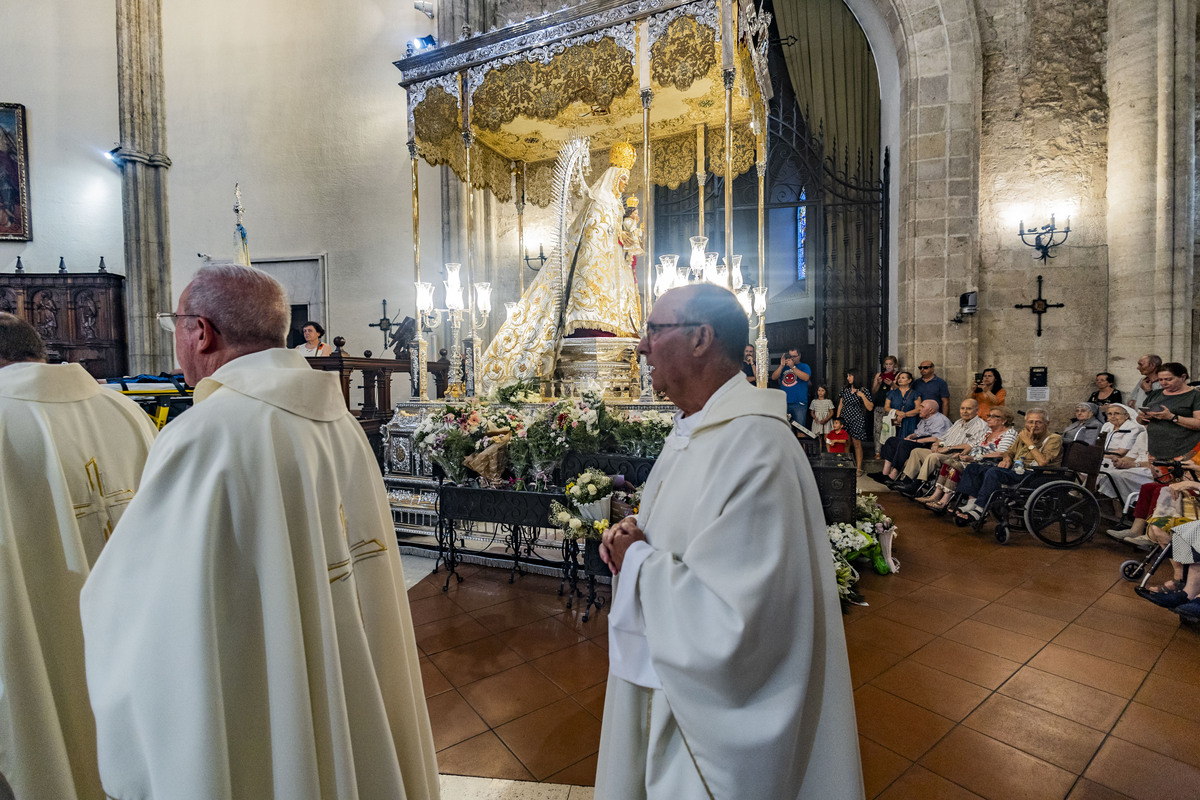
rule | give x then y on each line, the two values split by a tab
869	536
573	525
450	435
591	486
529	442
515	393
589	497
642	433
578	422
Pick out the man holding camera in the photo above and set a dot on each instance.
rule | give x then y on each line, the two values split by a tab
792	375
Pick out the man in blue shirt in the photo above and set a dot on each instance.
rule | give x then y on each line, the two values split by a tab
792	374
931	387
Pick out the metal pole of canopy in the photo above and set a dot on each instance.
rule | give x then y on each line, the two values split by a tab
519	169
417	359
760	344
701	174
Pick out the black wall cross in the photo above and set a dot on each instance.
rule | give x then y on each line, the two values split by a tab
1039	306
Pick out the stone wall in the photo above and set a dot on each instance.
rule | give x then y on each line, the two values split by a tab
1043	149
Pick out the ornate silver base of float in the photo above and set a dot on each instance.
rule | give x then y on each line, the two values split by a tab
610	361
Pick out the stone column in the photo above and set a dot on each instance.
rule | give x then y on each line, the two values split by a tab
1151	179
144	163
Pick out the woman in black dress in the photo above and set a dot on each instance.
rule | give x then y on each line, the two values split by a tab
1106	392
854	407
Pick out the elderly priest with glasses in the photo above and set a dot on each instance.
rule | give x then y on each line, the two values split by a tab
728	674
247	630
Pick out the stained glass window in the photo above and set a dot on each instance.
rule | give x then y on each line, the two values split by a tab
801	237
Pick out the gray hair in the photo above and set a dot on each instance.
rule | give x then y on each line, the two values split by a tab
927	403
1041	412
247	306
719	308
19	341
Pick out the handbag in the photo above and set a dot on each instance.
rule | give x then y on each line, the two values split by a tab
887	428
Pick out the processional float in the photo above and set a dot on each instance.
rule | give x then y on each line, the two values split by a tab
510	111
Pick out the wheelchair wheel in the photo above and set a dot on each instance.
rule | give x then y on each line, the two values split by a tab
1062	514
1131	570
1001	533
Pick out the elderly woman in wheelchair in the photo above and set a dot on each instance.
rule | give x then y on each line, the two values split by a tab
1035	446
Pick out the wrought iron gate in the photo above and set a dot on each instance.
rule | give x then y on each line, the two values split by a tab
843	245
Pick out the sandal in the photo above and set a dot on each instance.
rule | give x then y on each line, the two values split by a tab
969	515
941	505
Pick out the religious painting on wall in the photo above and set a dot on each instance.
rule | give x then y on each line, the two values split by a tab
14	174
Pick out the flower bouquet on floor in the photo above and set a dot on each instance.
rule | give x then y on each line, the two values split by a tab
848	541
869	515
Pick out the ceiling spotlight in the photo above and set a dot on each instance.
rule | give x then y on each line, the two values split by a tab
420	45
425	7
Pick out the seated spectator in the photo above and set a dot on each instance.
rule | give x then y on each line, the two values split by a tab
999	437
1126	462
963	435
1035	446
1173	521
1085	427
989	391
1172	420
933	426
1106	391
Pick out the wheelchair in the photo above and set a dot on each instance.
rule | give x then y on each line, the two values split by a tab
1053	504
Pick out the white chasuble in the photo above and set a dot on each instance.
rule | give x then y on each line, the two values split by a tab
742	622
71	457
247	628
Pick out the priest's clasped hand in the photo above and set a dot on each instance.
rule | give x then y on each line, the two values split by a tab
617	539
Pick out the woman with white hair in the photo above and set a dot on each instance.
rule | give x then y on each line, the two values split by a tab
1126	461
1085	428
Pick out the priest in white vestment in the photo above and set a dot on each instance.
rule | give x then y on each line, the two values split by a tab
728	674
248	633
71	457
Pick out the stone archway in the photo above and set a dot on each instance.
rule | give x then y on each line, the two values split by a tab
936	51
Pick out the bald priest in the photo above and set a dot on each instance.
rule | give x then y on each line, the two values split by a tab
248	634
71	458
728	674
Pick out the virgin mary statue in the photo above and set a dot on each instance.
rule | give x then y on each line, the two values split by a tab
601	294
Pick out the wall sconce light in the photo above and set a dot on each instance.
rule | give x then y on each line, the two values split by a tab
540	258
1045	237
425	7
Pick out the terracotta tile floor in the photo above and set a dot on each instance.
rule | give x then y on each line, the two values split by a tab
979	671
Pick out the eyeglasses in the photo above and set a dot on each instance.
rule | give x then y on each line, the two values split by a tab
925	366
167	320
997	416
654	328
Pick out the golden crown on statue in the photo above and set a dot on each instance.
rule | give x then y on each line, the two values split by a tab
632	202
622	155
